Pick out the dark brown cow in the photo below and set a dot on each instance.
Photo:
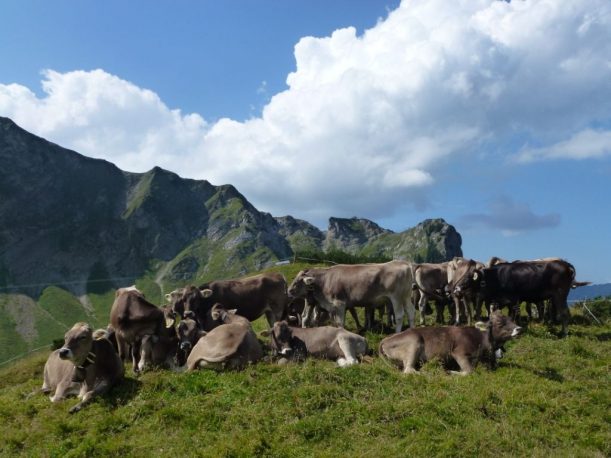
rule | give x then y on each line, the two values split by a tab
529	281
232	345
325	342
133	318
340	287
83	365
250	296
465	345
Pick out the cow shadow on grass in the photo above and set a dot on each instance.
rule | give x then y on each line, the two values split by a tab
548	373
122	393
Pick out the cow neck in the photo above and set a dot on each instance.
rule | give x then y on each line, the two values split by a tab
80	372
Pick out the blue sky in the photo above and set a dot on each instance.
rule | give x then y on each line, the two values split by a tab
495	116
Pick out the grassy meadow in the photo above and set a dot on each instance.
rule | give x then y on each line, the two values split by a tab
548	397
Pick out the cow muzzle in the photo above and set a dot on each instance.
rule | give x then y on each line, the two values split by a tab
516	332
65	353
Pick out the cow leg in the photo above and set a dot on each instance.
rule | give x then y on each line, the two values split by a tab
99	388
270	316
135	348
307	315
422	307
339	314
355	317
456	311
468	310
413	351
122	346
346	345
477	308
464	362
540	311
562	314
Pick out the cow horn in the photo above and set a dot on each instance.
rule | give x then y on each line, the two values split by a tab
481	326
169	322
206	293
308	281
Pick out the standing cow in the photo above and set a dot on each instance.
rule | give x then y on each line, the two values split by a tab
340	287
530	281
251	297
467	303
431	281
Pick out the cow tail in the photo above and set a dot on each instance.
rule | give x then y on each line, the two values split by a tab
383	356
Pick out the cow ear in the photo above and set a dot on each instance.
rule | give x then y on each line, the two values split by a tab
308	281
206	293
265	333
481	326
202	334
232	311
169	322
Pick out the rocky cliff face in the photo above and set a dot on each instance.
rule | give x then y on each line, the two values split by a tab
77	222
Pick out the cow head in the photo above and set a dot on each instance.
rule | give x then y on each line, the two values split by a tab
282	337
77	343
465	276
302	285
502	329
188	334
221	314
189	302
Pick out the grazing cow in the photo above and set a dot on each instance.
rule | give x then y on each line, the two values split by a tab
133	318
250	296
530	281
340	287
83	365
465	345
325	342
232	345
431	281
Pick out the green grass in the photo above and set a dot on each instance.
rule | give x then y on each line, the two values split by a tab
549	397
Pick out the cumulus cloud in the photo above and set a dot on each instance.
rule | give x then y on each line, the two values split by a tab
367	121
511	218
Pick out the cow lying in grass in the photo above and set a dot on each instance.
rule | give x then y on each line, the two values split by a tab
83	366
232	345
465	345
325	342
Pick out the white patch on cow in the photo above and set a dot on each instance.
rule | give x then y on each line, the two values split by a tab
345	362
285	351
141	365
516	331
498	354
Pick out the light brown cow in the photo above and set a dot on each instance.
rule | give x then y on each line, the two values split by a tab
431	280
250	296
465	345
325	342
83	365
133	318
342	286
232	345
467	303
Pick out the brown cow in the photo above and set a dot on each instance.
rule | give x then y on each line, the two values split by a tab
431	281
133	318
340	287
466	302
232	345
465	345
83	365
251	297
325	342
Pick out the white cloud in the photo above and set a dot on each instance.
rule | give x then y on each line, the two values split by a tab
367	121
586	144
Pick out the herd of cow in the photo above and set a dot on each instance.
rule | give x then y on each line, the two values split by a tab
214	329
